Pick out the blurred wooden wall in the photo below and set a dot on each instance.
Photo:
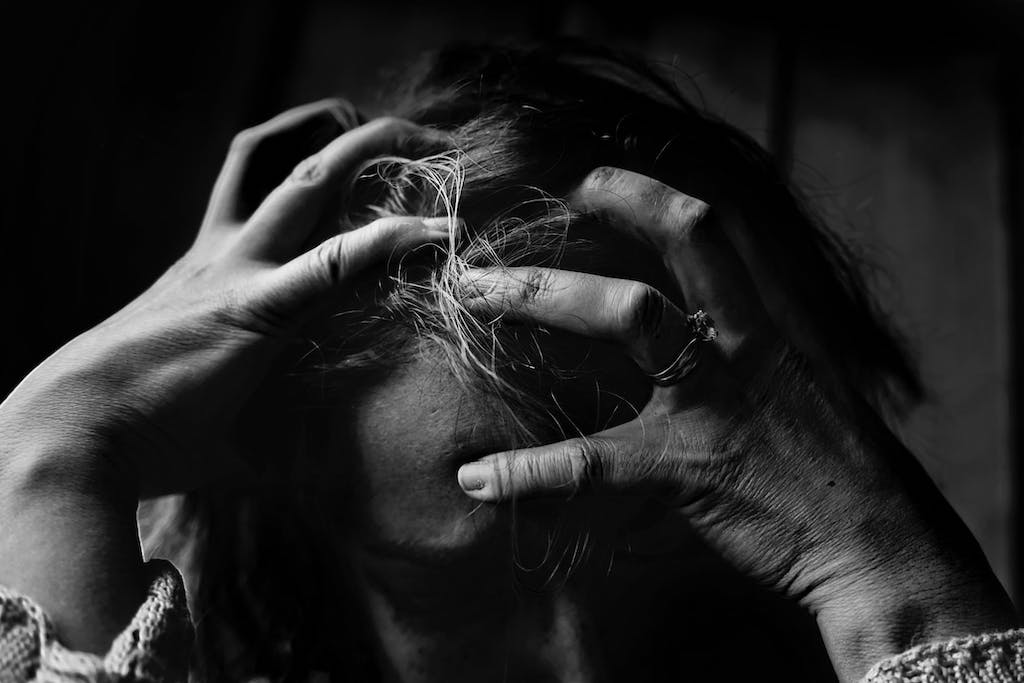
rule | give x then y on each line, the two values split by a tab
904	126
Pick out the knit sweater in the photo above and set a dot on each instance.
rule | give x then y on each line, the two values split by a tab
156	644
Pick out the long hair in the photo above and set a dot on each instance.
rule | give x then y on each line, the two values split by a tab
527	125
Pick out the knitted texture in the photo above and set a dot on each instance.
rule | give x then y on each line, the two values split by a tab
990	658
153	648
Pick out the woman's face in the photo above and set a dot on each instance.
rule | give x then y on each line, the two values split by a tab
432	561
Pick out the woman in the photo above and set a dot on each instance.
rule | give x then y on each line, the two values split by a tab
722	379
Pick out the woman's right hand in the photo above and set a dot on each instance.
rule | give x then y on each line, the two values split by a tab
156	388
789	476
146	402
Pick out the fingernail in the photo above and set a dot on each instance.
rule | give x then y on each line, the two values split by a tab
445	223
473	477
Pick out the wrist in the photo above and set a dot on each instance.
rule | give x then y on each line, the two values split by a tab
919	597
68	535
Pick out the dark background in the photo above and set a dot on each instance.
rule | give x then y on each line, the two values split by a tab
904	123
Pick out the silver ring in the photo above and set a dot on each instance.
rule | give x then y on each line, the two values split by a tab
703	328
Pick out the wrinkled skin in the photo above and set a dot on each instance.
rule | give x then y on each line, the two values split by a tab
785	472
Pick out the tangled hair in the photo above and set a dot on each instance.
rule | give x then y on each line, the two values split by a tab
420	305
527	125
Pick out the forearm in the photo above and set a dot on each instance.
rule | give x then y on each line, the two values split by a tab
914	574
68	536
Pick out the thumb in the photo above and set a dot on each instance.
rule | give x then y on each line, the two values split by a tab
559	469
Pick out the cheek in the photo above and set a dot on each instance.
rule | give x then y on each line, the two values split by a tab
404	439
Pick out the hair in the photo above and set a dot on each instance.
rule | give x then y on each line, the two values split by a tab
527	125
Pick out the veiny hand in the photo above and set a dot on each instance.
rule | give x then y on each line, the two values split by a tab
792	478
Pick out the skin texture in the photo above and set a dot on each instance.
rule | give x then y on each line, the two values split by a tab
802	490
451	598
789	476
145	402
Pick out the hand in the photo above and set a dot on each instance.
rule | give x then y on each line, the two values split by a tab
144	403
787	474
159	385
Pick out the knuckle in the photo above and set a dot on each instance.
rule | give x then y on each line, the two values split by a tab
584	464
533	285
688	214
330	104
394	122
641	310
244	140
308	171
601	177
329	260
408	138
388	125
390	122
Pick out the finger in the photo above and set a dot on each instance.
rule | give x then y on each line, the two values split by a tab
695	249
301	286
651	211
561	469
632	314
260	156
286	217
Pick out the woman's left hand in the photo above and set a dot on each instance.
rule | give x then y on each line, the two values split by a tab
789	475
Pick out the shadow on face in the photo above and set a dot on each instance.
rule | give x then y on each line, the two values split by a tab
594	588
406	435
401	436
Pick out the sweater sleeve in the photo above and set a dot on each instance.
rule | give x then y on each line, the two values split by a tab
989	658
155	647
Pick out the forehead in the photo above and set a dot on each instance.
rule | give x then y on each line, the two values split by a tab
404	437
422	410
